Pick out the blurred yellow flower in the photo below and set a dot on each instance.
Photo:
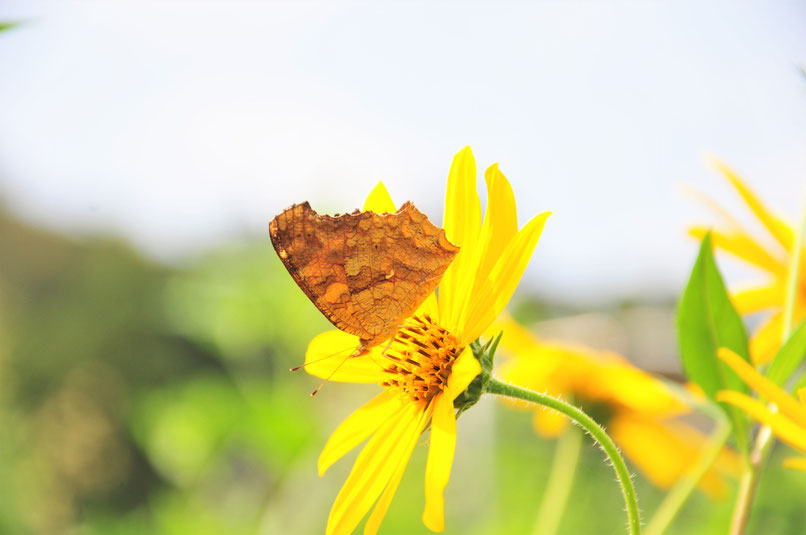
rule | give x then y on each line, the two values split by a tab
770	256
788	422
428	362
639	411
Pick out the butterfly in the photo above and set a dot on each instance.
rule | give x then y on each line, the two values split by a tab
366	272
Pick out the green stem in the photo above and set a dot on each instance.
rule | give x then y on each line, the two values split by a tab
680	493
764	439
595	430
558	488
749	481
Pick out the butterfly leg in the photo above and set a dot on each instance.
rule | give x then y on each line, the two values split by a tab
389	344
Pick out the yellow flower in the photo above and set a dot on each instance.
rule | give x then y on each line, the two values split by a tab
770	255
428	362
788	421
639	411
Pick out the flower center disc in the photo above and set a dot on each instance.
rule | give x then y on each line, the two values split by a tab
421	355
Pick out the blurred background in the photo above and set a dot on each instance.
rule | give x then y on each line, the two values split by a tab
147	327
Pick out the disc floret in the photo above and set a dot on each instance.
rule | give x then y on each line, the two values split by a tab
421	356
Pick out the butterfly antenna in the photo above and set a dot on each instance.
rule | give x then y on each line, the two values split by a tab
318	388
388	344
297	368
366	351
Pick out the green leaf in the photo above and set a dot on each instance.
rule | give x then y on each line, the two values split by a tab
789	357
706	321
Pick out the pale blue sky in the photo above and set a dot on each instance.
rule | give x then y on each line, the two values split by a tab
185	124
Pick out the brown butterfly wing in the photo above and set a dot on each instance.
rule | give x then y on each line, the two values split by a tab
365	272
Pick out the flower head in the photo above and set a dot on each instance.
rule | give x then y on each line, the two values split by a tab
428	363
770	255
640	412
788	421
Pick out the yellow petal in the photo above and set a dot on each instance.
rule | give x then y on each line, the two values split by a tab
795	463
622	383
462	226
714	206
767	339
430	307
802	395
644	442
549	423
358	426
440	459
379	201
499	227
757	298
788	405
495	293
462	206
374	520
778	229
373	470
517	339
743	247
465	368
647	440
555	368
782	426
328	357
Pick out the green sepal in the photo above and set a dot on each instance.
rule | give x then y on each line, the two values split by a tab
485	355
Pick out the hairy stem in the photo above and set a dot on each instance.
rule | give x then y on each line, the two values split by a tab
592	428
749	481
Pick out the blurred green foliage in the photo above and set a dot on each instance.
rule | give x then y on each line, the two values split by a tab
141	399
137	398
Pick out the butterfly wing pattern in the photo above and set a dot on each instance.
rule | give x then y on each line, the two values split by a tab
365	272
